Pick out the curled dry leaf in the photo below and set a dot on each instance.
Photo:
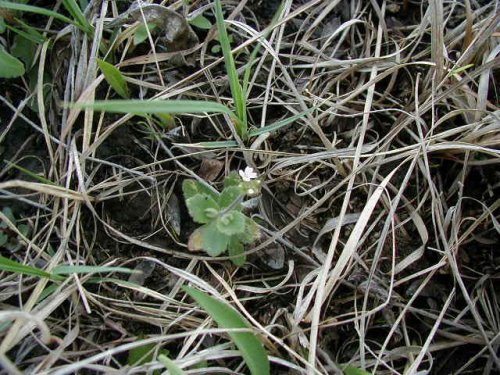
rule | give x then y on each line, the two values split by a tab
195	240
274	257
174	213
177	33
210	169
145	268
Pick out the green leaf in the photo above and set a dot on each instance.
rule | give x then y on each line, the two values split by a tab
114	77
144	354
225	316
7	211
2	25
10	67
47	292
232	179
236	90
4	238
201	22
24	229
351	370
229	195
165	120
202	208
156	106
237	251
231	223
170	365
141	354
251	233
141	33
192	187
67	269
213	241
7	264
215	49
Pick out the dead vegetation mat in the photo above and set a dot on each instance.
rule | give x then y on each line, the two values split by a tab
378	213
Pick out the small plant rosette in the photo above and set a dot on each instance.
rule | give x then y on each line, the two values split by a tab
224	226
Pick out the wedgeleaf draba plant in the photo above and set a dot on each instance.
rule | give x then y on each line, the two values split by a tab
225	227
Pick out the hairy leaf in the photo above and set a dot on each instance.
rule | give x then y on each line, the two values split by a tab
231	223
236	250
251	233
191	187
212	240
228	196
202	208
232	179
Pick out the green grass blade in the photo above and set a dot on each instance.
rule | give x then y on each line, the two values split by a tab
279	124
114	77
38	10
236	90
248	69
253	133
74	9
47	292
170	365
156	106
251	348
31	34
255	52
10	265
31	174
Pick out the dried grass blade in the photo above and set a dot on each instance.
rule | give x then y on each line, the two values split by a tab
437	36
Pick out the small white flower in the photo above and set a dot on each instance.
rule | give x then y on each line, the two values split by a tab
248	174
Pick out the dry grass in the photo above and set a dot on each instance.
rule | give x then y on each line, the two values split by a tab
383	199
